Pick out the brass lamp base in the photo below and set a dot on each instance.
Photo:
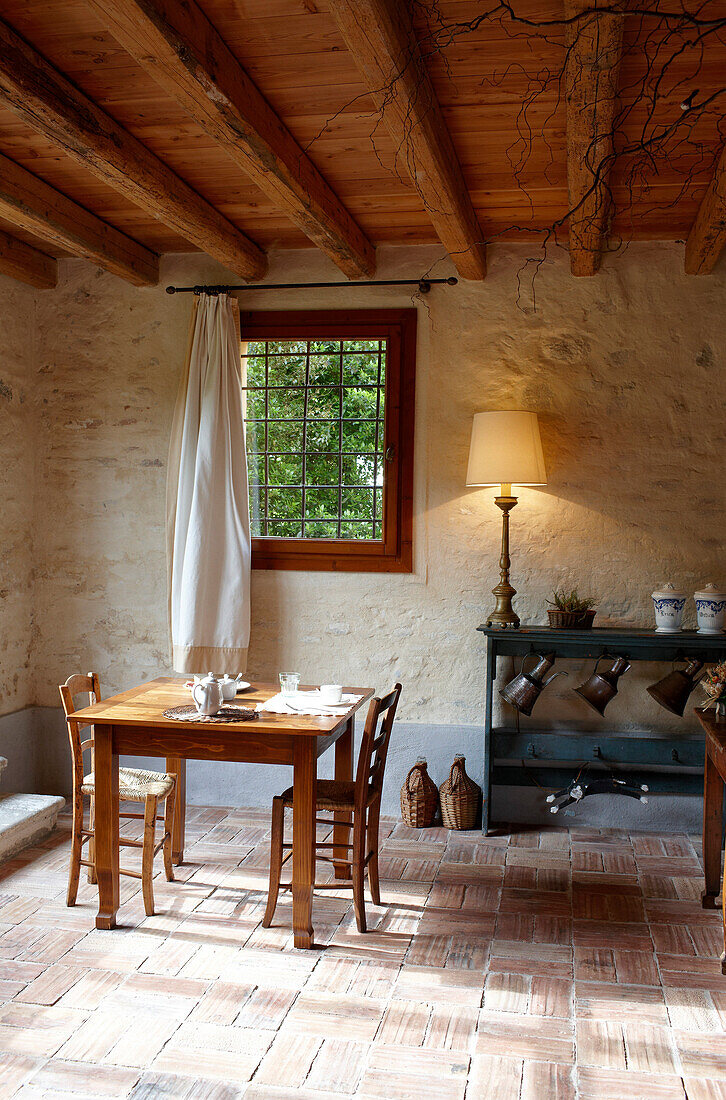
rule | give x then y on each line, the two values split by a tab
504	615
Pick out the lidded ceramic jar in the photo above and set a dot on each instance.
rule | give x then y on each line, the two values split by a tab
668	604
710	609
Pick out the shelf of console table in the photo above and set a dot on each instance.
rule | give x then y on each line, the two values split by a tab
678	761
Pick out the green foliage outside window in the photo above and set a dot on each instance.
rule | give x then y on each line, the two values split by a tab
315	438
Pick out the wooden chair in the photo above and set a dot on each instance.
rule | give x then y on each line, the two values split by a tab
362	798
135	785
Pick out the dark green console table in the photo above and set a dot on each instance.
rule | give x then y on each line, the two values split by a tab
640	752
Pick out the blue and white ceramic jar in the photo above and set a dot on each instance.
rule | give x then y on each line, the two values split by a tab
711	610
668	604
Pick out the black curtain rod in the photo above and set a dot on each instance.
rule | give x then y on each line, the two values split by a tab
424	285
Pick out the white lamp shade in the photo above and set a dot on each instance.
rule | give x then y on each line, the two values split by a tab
506	450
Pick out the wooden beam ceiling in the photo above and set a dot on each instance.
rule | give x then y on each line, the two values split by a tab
47	101
35	206
381	39
183	52
707	237
594	49
23	262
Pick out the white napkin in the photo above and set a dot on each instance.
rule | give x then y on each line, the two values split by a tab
307	702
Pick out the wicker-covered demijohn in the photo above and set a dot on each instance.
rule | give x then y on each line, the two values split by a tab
419	797
460	797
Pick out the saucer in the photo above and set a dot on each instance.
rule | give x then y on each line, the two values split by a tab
242	685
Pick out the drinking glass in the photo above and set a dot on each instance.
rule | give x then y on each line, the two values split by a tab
288	683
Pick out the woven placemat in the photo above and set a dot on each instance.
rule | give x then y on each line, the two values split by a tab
227	713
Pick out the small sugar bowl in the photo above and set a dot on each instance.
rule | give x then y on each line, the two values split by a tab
711	610
668	604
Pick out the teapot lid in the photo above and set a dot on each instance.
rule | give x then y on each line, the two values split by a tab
210	678
666	590
710	591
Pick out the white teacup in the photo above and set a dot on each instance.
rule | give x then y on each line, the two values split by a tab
331	694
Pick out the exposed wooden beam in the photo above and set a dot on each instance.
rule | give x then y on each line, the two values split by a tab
708	233
594	49
383	45
47	100
26	264
179	47
34	205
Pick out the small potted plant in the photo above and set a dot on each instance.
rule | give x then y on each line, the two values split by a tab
570	611
714	684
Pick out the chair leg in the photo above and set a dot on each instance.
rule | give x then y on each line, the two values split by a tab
723	919
359	847
373	883
92	877
147	855
276	837
74	872
168	830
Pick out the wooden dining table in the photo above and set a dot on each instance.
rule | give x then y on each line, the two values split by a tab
133	723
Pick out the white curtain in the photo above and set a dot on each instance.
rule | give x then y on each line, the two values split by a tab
208	525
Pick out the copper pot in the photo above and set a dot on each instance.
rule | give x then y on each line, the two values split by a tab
673	691
603	686
525	689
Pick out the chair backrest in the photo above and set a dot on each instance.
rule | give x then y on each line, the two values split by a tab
76	685
374	747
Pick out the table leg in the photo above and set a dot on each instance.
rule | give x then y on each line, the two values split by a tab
713	787
305	778
343	773
177	766
106	826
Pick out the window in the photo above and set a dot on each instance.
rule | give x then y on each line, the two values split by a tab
329	430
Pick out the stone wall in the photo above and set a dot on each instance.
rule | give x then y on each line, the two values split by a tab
626	371
19	412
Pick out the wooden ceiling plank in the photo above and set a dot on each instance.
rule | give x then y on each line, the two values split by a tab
707	235
381	39
27	264
45	99
32	204
594	50
183	52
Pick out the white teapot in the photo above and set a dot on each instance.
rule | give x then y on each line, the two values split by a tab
207	694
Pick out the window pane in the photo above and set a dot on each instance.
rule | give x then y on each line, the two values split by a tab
256	468
323	402
321	503
359	435
286	370
322	436
284	503
322	469
324	347
321	530
360	369
358	469
360	403
281	530
256	404
284	436
358	504
324	370
255	370
285	469
285	404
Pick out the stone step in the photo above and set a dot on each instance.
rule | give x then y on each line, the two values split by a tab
25	819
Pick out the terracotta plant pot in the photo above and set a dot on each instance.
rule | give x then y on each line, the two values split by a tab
571	620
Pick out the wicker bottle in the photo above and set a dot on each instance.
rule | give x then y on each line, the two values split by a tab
459	798
419	797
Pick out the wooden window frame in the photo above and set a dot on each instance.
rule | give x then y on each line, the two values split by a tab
394	554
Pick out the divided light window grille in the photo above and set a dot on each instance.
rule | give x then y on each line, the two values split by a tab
316	442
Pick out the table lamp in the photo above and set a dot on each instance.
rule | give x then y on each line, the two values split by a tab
505	450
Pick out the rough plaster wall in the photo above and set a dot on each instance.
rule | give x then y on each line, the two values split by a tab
626	370
18	436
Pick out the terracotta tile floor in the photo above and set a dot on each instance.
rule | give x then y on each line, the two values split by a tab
544	964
